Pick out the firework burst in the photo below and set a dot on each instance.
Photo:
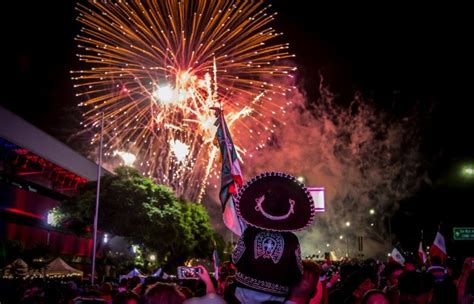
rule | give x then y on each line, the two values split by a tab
156	67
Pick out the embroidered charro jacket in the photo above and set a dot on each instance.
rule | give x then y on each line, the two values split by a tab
267	261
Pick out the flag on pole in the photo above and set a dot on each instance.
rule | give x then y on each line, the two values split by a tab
397	257
421	254
216	262
439	247
231	177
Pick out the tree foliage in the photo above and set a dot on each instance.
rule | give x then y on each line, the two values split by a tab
145	213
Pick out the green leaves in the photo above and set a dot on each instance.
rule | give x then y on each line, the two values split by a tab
144	213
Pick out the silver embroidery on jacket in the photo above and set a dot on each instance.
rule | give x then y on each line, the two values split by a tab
269	245
238	251
261	285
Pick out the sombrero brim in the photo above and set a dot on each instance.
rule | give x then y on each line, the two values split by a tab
275	201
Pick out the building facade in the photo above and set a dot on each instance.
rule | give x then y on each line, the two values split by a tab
37	172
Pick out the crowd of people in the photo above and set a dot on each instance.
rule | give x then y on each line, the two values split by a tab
266	265
346	282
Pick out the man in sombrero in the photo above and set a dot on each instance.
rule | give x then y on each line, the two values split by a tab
271	206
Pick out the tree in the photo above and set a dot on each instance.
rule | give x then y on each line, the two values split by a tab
145	213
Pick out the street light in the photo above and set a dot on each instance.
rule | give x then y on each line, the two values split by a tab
468	171
372	211
348	224
341	237
51	220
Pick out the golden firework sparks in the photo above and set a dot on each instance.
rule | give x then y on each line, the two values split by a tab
148	67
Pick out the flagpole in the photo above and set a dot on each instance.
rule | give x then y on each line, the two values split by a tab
229	155
421	239
224	139
221	110
390	230
96	216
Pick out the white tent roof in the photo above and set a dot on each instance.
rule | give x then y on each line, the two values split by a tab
158	273
60	268
134	273
16	268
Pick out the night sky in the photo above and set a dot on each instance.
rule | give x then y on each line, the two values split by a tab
397	54
401	55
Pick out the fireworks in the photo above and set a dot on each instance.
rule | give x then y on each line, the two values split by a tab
179	149
156	67
127	157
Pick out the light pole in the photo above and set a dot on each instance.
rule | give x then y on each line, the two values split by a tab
467	171
49	221
96	216
347	225
389	230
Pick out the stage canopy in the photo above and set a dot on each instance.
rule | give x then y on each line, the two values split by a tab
59	268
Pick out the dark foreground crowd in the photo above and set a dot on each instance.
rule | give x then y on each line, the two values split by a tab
349	281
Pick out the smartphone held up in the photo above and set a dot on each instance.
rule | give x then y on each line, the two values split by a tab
188	273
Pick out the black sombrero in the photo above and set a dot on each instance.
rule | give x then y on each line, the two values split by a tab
275	201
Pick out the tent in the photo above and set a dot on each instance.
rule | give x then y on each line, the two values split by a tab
36	273
158	273
59	268
134	273
17	269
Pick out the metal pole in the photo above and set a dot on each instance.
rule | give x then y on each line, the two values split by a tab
390	230
96	216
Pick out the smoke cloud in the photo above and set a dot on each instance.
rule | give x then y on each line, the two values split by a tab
365	158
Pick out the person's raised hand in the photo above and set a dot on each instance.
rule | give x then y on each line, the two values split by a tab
204	276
